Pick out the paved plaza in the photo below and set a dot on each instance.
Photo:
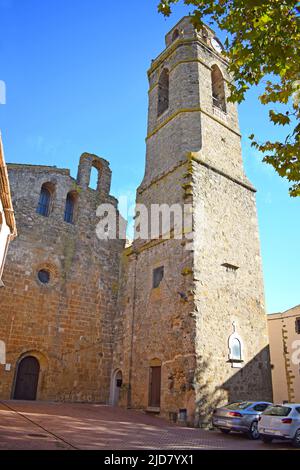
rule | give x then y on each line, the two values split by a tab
65	426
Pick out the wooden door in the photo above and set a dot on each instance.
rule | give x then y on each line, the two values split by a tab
117	387
155	386
27	379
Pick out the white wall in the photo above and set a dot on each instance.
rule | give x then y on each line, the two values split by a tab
4	234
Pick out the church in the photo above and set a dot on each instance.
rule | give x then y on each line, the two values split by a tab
172	325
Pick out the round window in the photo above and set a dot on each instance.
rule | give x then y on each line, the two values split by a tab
44	276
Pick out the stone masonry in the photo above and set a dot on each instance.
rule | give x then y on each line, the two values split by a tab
67	323
171	325
212	294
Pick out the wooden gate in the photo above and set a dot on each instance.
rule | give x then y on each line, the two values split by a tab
27	379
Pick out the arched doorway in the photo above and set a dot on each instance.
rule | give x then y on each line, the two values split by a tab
116	385
27	379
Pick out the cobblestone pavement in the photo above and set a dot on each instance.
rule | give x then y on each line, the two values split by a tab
40	425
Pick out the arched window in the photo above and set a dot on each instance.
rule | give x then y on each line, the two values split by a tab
70	207
94	178
163	92
175	35
218	89
235	344
236	350
45	200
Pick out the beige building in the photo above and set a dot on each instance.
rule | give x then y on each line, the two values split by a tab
7	219
284	334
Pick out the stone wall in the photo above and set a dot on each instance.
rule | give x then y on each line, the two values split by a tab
191	123
212	290
101	317
228	288
67	323
157	324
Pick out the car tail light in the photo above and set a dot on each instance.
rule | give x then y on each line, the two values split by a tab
287	421
235	413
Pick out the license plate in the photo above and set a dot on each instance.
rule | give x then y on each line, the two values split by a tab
273	431
221	421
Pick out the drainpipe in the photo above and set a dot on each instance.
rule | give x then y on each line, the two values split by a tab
129	397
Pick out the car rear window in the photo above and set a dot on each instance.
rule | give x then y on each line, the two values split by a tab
277	411
241	405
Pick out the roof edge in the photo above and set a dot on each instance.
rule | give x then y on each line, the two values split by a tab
5	194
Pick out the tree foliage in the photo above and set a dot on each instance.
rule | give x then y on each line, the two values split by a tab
262	46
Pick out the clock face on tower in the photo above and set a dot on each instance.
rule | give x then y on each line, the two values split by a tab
216	45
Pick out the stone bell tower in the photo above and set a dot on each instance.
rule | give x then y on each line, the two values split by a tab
191	332
188	111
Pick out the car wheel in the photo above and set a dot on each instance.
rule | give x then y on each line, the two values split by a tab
225	431
267	439
296	440
253	431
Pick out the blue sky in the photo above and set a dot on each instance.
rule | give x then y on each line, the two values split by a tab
75	73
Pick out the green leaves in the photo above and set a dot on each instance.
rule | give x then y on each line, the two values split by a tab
164	8
263	40
279	118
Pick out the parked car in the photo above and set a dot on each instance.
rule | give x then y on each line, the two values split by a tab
241	416
281	422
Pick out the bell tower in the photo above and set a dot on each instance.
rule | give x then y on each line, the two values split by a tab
188	110
192	318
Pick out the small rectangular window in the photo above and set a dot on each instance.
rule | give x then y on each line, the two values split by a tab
230	268
298	326
158	274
